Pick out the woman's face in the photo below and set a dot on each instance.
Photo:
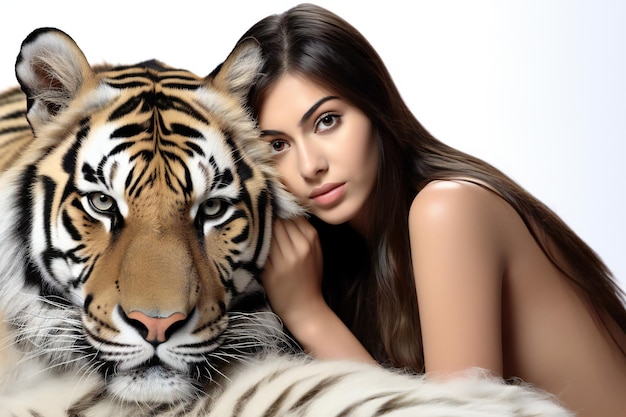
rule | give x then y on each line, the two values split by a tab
324	148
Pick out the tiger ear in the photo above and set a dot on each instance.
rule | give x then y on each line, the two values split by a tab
51	70
238	72
236	76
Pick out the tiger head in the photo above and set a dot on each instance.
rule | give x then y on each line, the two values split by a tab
136	223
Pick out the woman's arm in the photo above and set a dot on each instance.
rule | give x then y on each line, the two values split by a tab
293	281
458	262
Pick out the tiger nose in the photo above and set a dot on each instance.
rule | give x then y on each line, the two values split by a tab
155	329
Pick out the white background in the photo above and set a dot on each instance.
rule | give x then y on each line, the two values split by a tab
535	87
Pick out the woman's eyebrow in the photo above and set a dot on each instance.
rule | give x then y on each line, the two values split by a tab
314	107
271	133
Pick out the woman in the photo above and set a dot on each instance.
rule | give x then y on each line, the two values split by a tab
417	255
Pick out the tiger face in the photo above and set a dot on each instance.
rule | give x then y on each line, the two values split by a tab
138	220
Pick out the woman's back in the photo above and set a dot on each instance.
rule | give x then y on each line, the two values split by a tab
550	335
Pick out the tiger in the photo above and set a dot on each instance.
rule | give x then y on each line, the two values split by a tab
137	203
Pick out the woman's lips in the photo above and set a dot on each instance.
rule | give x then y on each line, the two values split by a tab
328	194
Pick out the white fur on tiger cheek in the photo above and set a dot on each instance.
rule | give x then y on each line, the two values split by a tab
241	279
10	249
60	269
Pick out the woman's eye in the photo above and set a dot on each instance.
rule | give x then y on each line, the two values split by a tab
326	121
213	208
101	202
278	146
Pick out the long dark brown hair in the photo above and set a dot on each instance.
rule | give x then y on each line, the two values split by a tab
377	300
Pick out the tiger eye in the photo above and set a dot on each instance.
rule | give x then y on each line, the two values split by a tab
101	202
213	208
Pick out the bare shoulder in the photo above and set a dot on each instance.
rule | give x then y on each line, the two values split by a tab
446	201
459	256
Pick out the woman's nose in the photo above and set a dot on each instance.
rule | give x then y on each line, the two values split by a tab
312	161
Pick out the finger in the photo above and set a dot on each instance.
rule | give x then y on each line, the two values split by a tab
290	237
306	228
267	271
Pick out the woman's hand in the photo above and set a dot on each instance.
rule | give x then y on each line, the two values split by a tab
293	282
293	272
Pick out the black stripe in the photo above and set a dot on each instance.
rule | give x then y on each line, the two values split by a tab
128	131
49	187
69	227
273	409
195	149
181	86
262	218
11	95
173	102
25	128
69	158
250	392
18	114
351	407
186	185
186	131
123	85
120	148
243	236
244	170
23	226
126	107
85	273
134	182
312	394
400	401
250	302
222	179
244	398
